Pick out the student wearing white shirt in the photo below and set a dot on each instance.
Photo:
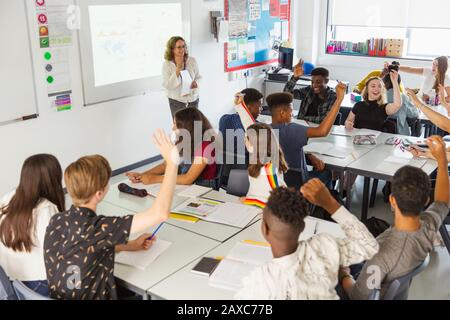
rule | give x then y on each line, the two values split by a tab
178	62
267	164
306	269
24	216
433	77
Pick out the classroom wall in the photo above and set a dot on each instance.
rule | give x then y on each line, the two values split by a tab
118	130
310	37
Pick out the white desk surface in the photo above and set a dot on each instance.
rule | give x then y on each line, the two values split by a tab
371	160
186	247
184	284
214	231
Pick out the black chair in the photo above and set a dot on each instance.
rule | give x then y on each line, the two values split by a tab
399	288
444	233
238	183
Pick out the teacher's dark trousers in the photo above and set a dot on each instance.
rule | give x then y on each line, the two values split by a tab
176	105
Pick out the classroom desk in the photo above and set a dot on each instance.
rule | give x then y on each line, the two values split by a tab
366	167
186	247
214	231
184	284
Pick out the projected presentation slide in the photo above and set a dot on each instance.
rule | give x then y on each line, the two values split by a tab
128	41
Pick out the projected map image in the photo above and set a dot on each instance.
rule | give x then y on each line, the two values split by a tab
128	41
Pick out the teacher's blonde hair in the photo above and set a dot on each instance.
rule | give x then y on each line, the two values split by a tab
168	55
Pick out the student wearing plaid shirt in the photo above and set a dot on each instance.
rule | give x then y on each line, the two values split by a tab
317	99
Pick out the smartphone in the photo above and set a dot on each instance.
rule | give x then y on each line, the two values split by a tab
206	266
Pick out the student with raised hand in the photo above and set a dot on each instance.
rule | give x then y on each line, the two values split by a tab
317	99
432	78
293	137
24	215
406	244
305	270
197	152
442	122
266	166
373	112
79	246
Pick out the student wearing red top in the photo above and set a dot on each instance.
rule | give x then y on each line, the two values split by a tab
197	152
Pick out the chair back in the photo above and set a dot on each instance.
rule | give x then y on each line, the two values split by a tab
238	183
25	293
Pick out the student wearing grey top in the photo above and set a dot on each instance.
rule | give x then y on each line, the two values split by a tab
404	246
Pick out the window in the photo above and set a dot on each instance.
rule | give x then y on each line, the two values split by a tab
423	24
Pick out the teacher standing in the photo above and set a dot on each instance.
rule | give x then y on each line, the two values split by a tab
180	70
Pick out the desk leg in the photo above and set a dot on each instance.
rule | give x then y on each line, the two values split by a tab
365	203
348	187
341	183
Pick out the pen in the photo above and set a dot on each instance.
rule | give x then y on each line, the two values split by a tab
157	229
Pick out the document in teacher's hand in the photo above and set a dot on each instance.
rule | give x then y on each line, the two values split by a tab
186	82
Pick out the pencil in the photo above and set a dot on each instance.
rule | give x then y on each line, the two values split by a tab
157	229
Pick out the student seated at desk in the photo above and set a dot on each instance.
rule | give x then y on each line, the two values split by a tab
233	132
267	164
441	121
293	137
80	246
197	153
432	78
377	74
306	269
24	215
373	112
404	246
317	99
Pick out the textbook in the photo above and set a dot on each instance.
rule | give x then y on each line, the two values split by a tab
142	259
327	149
232	214
239	263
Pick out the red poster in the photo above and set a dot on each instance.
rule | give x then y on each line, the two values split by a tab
274	8
284	11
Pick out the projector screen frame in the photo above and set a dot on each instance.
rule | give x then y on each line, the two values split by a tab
95	95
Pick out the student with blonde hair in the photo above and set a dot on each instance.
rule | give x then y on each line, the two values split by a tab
80	246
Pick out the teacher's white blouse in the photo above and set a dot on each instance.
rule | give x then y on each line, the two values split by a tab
173	84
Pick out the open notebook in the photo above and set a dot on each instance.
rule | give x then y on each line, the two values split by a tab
239	263
142	259
232	214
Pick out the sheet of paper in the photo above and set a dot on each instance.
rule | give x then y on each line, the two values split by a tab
223	31
186	82
285	30
277	30
233	214
250	253
238	19
232	50
142	259
328	149
265	5
251	51
254	10
194	191
154	189
229	274
242	49
391	164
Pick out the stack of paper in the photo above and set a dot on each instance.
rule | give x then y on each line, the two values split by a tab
342	131
327	149
142	259
232	214
240	262
391	164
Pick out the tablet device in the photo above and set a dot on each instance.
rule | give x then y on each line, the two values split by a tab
205	266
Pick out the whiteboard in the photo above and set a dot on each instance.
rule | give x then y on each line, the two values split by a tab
122	44
17	89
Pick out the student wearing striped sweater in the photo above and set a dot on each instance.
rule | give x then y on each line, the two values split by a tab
267	164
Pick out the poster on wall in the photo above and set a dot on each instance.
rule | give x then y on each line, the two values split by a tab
237	19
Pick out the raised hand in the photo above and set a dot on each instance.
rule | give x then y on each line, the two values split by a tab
437	148
317	193
298	69
341	90
167	149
